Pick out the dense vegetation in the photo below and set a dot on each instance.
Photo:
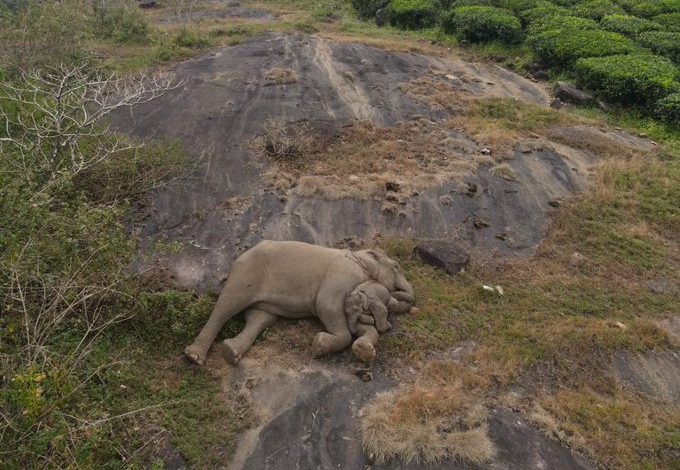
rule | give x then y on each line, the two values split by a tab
636	39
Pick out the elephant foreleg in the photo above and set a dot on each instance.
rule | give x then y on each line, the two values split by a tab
256	322
332	315
364	346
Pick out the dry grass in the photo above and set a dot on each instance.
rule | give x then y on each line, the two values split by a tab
417	423
439	94
280	76
283	142
359	161
503	170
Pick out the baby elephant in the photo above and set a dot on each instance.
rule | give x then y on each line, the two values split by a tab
368	305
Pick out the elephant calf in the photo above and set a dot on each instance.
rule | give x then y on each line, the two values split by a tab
296	280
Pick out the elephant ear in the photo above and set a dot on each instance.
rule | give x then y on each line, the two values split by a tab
371	263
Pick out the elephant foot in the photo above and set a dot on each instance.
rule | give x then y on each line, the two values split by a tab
363	350
230	351
195	354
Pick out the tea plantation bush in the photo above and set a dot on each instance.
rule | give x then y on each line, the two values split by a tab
668	108
670	21
662	42
629	25
412	14
533	14
596	9
561	48
629	79
481	23
652	8
558	22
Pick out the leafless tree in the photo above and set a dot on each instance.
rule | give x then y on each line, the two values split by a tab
57	130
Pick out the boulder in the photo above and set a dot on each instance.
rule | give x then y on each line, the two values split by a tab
570	94
442	254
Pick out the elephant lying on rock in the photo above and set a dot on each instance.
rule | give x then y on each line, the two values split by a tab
297	280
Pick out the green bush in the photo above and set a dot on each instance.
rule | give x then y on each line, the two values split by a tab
671	21
663	43
480	23
597	9
652	8
668	109
521	5
367	8
561	48
628	25
559	22
533	14
191	39
412	14
635	78
119	20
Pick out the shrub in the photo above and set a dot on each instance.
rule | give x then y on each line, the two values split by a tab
628	25
671	21
412	14
480	23
521	5
367	8
652	8
662	42
597	9
634	78
668	108
191	39
562	47
533	14
559	22
119	20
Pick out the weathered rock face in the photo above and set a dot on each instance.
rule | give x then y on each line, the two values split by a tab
570	94
313	422
442	254
225	207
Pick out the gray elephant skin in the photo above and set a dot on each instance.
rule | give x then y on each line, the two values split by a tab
296	280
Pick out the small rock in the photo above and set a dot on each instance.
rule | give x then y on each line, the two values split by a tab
556	103
603	106
570	94
353	178
554	203
541	75
619	325
485	151
577	259
363	373
442	254
480	223
392	186
389	208
381	17
445	200
643	135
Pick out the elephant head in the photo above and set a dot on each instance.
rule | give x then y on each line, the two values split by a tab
387	272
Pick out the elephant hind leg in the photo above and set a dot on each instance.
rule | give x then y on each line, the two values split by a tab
238	293
257	321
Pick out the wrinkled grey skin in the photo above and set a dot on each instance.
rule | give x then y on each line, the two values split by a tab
296	280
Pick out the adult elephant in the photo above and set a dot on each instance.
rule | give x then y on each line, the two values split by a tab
296	280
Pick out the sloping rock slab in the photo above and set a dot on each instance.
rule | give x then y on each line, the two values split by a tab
655	374
310	419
